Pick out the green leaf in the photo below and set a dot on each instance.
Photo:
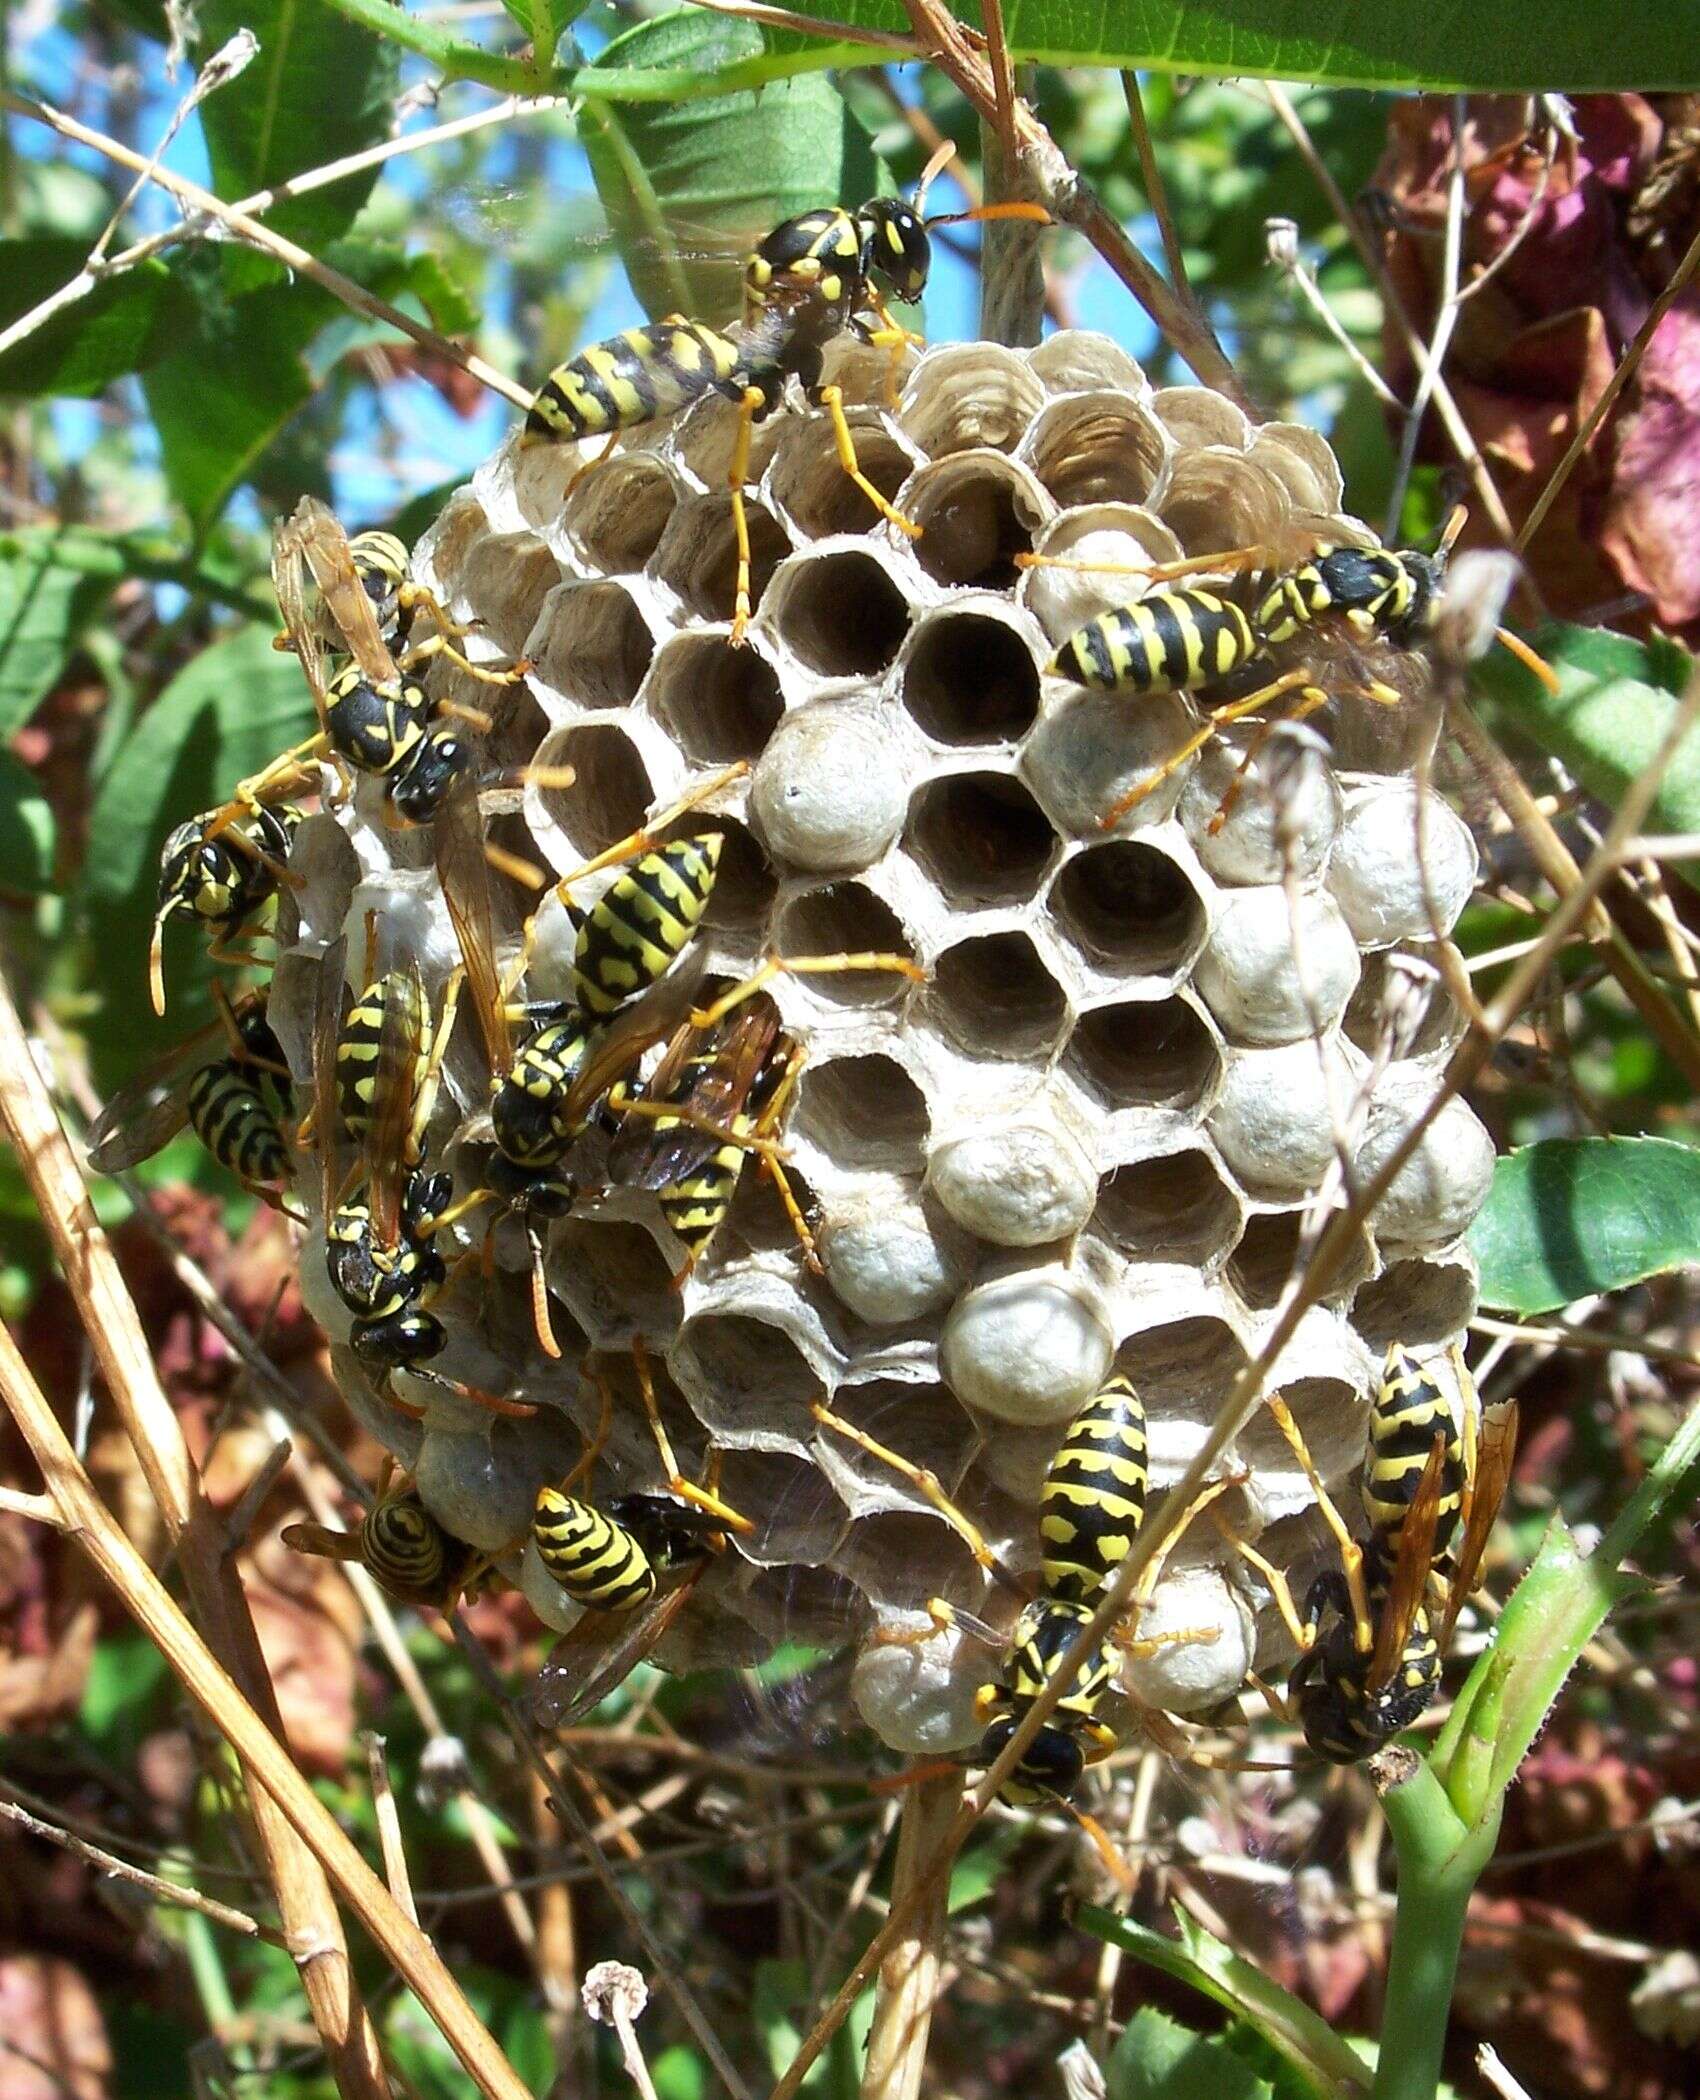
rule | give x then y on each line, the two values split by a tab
321	88
42	607
689	185
230	389
1615	702
779	1995
1159	2059
26	830
1196	1958
125	1676
1571	1216
1567	45
237	705
544	22
123	325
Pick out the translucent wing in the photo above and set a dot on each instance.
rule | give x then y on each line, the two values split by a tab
407	1015
150	1109
466	891
1484	1494
327	1116
312	547
599	1654
654	1156
617	1048
1411	1570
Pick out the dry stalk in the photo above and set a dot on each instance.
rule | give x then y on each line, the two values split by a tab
1246	1396
271	1767
138	1877
389	1827
1071	201
257	236
908	1986
311	1925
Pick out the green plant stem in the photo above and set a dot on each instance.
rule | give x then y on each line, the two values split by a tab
454	58
1440	1861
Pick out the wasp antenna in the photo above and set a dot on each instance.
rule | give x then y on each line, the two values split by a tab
1457	518
1530	659
1036	214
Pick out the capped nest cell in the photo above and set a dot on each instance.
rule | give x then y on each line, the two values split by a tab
1086	1140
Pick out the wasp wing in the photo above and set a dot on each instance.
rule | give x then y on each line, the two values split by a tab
661	1155
1484	1494
616	1048
149	1110
599	1654
313	544
327	1112
466	891
1412	1568
403	1041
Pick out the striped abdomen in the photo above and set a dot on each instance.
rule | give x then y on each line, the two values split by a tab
404	1548
234	1120
632	378
1093	1500
371	1061
597	1561
638	928
1409	1411
1169	642
528	1110
695	1206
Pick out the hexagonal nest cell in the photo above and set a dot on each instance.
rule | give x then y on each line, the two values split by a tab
1056	1154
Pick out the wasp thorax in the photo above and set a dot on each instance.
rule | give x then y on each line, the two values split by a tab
1121	1000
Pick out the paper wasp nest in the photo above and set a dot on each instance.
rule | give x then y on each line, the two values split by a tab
1087	1140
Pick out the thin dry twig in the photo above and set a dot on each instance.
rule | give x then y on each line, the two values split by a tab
389	1827
1156	190
138	1877
109	1317
1446	320
908	1986
284	251
614	1995
1445	402
271	1767
1070	199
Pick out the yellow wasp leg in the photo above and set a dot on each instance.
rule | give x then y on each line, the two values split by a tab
1213	725
832	400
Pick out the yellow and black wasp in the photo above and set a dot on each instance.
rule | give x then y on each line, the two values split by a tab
403	1548
342	612
1374	1634
1191	638
1092	1507
221	879
632	1566
237	1104
376	1078
812	278
716	1096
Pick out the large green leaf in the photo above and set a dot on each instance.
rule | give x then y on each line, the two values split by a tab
123	325
689	185
1571	1216
1566	45
236	706
231	388
1325	2061
320	88
1615	702
26	830
42	606
1157	2058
